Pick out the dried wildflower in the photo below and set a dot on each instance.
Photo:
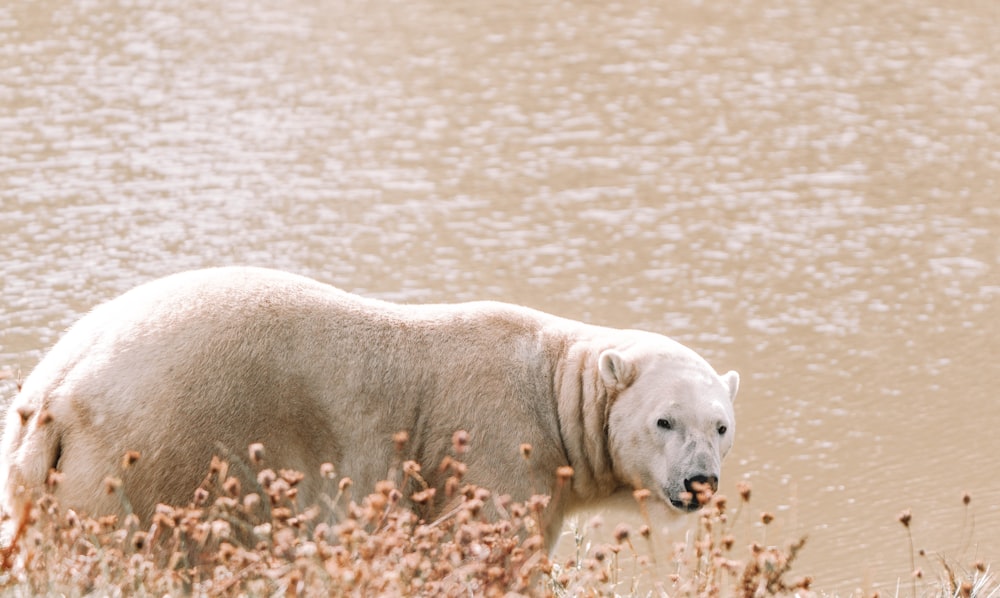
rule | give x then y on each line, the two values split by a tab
281	514
344	484
291	476
53	479
399	440
966	498
538	502
904	518
645	532
564	473
384	487
111	485
129	459
251	501
533	544
200	496
621	533
702	492
232	486
460	441
424	496
744	489
266	477
256	451
766	518
218	467
226	552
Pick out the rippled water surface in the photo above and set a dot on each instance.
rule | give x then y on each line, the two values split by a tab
805	191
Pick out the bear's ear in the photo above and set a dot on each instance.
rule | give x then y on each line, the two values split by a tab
616	371
732	380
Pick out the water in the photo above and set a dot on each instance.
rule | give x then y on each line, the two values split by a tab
803	191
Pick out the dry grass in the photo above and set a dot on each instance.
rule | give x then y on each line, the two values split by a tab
231	542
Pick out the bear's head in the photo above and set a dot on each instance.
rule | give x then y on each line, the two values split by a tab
670	419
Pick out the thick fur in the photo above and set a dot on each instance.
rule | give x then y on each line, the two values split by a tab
208	362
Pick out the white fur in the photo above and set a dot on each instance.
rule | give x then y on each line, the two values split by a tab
210	361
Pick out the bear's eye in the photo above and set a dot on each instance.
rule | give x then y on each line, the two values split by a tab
664	424
722	430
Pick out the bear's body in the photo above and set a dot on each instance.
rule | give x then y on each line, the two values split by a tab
207	362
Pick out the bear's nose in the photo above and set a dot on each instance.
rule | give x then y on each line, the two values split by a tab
701	487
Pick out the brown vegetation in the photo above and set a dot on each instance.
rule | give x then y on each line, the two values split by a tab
232	542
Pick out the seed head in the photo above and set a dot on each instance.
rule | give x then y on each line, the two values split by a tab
411	468
460	441
251	501
399	440
564	473
53	479
326	470
766	518
744	489
423	496
292	476
256	453
111	485
200	496
904	518
266	477
232	486
129	459
966	498
621	533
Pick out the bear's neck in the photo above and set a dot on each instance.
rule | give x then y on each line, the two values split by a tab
583	421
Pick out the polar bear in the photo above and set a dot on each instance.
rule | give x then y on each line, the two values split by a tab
210	361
